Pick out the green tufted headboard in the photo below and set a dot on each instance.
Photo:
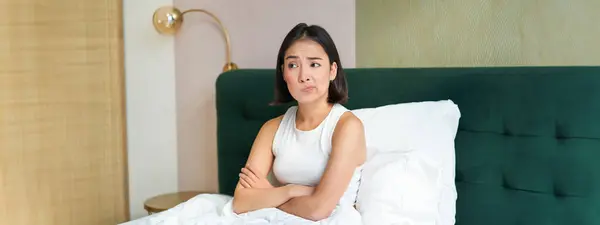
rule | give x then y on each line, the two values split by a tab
527	149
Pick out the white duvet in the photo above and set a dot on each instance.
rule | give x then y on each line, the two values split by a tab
215	209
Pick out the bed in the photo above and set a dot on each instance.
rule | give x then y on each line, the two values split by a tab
527	147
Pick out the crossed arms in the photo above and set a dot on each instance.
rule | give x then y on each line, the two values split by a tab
254	191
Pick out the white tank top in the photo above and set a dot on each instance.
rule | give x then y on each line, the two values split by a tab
301	156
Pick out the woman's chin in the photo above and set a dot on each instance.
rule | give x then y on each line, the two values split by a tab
308	101
310	98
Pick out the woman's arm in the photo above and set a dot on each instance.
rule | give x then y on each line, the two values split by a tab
250	199
257	193
260	160
348	152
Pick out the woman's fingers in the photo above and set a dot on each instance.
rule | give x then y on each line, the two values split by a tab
250	174
246	178
245	184
253	171
246	181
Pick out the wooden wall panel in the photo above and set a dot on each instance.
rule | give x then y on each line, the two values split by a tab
62	128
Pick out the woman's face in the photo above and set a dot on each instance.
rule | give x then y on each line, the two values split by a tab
307	71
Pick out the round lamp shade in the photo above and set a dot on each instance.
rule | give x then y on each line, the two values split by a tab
167	20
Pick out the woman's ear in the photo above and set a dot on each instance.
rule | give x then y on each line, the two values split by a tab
333	71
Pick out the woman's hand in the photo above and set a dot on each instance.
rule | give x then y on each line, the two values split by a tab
300	190
250	179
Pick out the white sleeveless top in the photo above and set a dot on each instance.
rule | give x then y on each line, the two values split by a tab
301	156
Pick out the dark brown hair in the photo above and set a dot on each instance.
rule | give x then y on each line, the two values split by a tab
338	88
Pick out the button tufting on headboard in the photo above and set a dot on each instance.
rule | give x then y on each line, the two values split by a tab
559	132
559	193
507	132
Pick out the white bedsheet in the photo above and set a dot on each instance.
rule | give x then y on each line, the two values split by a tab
215	209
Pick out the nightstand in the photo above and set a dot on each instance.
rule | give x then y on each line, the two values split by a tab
166	201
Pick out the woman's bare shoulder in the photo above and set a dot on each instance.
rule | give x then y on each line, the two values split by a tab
269	128
273	123
350	121
349	135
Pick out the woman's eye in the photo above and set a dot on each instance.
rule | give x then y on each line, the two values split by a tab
292	65
315	64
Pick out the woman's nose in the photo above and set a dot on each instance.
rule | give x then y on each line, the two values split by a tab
304	77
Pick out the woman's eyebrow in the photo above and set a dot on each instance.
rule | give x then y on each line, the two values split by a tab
310	58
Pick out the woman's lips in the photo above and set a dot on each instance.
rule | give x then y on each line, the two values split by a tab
308	89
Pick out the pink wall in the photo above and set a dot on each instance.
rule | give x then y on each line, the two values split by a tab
256	30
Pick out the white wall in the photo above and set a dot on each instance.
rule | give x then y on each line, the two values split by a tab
257	29
150	89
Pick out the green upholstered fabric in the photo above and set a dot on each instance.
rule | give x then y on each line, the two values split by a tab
527	149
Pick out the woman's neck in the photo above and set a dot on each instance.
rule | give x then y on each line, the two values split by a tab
312	114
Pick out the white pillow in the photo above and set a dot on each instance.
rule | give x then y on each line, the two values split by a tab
425	128
400	188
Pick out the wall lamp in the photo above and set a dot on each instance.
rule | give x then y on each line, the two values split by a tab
167	20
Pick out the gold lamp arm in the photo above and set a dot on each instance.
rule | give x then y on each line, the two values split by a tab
168	20
223	30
